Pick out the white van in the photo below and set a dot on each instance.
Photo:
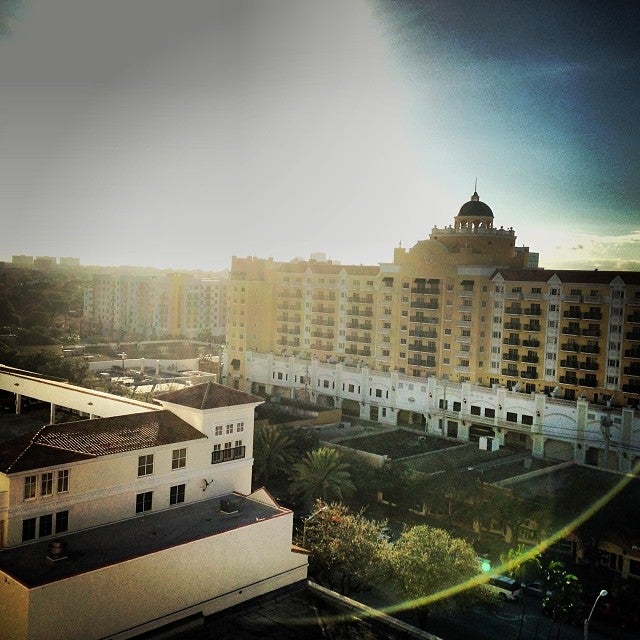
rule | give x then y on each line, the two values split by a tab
507	588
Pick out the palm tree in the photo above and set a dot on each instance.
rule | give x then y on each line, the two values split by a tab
322	474
273	450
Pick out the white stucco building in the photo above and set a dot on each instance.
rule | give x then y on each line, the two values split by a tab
115	525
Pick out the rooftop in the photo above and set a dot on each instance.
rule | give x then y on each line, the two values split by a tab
99	547
55	444
209	395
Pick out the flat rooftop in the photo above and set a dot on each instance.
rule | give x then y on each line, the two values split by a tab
93	549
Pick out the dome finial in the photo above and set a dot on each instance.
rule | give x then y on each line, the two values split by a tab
475	197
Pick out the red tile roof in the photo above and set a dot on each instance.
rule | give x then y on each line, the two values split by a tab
58	444
209	395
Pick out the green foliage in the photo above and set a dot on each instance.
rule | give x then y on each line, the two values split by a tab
322	474
273	451
346	548
431	565
48	363
521	565
564	602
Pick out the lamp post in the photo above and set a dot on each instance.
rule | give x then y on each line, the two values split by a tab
304	526
603	594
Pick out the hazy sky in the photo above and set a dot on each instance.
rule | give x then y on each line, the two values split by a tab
177	134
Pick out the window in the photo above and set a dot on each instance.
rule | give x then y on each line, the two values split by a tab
527	420
176	494
240	427
63	480
179	458
30	487
229	429
46	483
45	527
216	454
144	501
490	413
145	465
457	406
62	521
512	417
475	410
28	529
218	431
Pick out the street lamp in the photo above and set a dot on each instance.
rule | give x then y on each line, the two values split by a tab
603	594
304	525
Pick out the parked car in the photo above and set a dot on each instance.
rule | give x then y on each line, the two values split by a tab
507	588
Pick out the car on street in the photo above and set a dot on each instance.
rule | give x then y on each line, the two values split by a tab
507	588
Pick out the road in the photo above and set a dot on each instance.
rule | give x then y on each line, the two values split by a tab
518	621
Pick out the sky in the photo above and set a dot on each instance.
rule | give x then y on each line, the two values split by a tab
178	134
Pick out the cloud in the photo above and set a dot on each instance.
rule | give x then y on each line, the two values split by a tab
570	250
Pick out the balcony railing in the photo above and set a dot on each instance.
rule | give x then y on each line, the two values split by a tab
423	348
590	348
569	364
424	305
225	455
589	366
533	311
533	343
532	326
419	333
531	359
514	357
511	341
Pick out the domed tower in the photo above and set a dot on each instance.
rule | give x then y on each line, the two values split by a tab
474	215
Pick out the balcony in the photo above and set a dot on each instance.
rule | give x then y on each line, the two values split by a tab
592	315
513	357
632	353
532	327
513	310
513	326
532	343
633	370
533	359
533	311
322	334
529	375
225	455
513	373
419	333
595	333
515	342
634	317
423	320
360	300
570	346
420	290
424	305
575	315
632	387
570	331
590	348
632	335
589	366
322	309
323	322
569	380
569	364
363	314
420	362
423	348
588	382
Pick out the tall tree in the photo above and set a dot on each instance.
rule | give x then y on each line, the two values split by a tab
433	567
346	548
273	450
322	474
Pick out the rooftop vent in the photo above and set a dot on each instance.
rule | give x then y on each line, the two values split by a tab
57	550
228	506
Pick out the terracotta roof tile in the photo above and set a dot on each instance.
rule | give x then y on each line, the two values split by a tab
72	441
208	395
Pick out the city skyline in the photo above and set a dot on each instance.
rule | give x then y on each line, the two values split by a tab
182	137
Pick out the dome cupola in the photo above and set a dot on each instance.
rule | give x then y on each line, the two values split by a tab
474	214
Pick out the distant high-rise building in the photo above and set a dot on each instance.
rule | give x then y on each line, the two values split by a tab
22	261
156	306
464	305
